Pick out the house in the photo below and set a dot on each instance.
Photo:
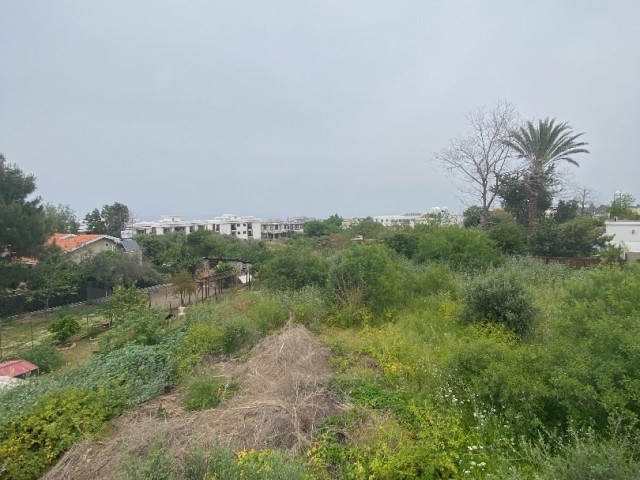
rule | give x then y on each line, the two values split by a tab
85	245
18	369
625	235
273	228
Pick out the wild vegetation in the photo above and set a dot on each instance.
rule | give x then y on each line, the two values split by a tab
361	353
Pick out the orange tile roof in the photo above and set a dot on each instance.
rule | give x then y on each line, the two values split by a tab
68	241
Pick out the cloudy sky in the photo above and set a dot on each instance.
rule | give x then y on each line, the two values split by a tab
293	107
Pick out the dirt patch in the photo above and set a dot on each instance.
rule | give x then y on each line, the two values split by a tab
282	400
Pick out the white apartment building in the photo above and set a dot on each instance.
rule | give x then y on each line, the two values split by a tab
274	228
244	227
436	215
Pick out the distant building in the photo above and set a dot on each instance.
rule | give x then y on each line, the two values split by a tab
436	215
273	229
626	235
239	226
244	227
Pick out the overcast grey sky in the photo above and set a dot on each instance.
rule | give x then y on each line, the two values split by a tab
291	108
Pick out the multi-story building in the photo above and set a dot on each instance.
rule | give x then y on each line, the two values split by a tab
244	227
273	228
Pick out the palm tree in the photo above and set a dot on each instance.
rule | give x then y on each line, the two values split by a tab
543	146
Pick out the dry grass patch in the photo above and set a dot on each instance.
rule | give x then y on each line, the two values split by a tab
281	402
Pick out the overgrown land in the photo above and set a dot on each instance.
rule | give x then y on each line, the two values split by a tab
358	352
448	368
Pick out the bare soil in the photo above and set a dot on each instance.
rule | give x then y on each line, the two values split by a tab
280	405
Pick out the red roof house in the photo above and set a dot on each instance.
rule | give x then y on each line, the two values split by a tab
17	369
83	245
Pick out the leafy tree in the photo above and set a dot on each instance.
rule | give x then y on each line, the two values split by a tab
54	275
515	195
621	207
472	216
205	243
566	210
126	303
294	267
64	328
368	228
543	147
60	219
318	228
321	228
183	284
482	156
22	220
111	220
580	237
108	269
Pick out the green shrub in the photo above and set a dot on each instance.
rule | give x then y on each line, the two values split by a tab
64	328
293	268
156	465
207	392
46	357
199	340
374	272
459	247
34	440
499	297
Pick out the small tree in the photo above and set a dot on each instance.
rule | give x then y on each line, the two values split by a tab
183	284
64	328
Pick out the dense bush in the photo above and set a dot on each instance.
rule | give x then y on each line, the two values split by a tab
367	275
45	357
207	392
294	267
459	247
499	297
33	440
64	328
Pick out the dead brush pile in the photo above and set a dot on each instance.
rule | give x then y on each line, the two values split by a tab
281	402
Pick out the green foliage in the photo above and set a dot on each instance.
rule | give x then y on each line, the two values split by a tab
60	219
580	237
621	207
34	440
458	247
46	357
156	465
472	216
368	229
110	269
22	220
200	339
499	297
367	275
126	303
111	220
293	268
515	193
55	274
321	228
509	236
205	392
64	328
404	242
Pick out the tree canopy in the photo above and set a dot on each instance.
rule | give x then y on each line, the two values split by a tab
21	215
111	220
543	147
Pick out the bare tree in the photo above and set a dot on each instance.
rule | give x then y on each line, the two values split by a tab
585	196
482	156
